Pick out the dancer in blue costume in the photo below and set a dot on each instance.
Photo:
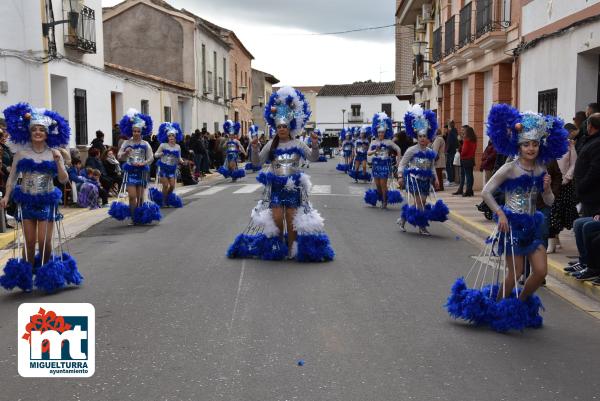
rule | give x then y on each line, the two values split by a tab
495	298
385	189
347	149
169	159
253	133
361	148
418	176
284	223
138	155
232	149
36	135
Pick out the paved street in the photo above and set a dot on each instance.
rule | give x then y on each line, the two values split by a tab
176	320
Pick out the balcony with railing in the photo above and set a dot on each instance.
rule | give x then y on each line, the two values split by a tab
464	27
437	45
467	49
80	33
492	17
451	57
449	36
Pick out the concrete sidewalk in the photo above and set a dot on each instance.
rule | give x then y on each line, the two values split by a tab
77	220
463	211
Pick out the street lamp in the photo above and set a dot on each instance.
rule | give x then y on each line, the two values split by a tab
419	48
343	115
261	103
243	90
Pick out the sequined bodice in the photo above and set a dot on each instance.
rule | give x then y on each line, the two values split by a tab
362	147
421	163
137	155
169	158
232	147
521	200
382	152
286	164
347	146
36	177
35	183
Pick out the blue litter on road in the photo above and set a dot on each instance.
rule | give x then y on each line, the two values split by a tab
301	362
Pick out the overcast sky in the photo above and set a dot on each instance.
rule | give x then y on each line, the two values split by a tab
278	34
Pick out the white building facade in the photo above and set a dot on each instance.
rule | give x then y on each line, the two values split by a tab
59	67
560	59
212	66
355	104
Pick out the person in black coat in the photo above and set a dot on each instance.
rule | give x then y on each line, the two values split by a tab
582	135
451	149
98	142
587	169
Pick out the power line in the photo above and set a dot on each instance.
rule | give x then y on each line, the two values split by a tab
372	28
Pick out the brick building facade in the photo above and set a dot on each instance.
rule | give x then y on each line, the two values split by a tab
471	51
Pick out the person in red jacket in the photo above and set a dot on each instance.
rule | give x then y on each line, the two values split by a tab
467	161
488	160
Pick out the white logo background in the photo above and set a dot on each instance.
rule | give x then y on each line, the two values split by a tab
55	365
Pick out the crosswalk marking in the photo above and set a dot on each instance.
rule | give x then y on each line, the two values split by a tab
211	191
240	189
321	189
248	189
185	190
354	190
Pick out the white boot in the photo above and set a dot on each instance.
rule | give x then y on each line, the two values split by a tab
293	251
558	244
551	245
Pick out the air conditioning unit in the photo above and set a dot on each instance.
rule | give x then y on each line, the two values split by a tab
427	14
419	26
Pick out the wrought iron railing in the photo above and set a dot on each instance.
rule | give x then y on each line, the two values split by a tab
81	35
437	45
449	41
491	15
464	28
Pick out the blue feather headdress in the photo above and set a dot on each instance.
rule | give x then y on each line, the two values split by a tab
134	118
417	120
381	121
318	132
367	130
253	131
167	129
230	127
288	106
21	116
343	134
508	128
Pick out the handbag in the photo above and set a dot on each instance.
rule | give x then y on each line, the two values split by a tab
456	161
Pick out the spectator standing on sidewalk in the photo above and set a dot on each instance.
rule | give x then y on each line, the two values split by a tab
439	146
451	149
582	137
467	162
564	210
587	177
488	161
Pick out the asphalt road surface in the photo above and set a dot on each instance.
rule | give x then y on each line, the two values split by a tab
176	320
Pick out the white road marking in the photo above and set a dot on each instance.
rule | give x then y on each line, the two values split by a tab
210	191
185	190
321	189
248	189
354	190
